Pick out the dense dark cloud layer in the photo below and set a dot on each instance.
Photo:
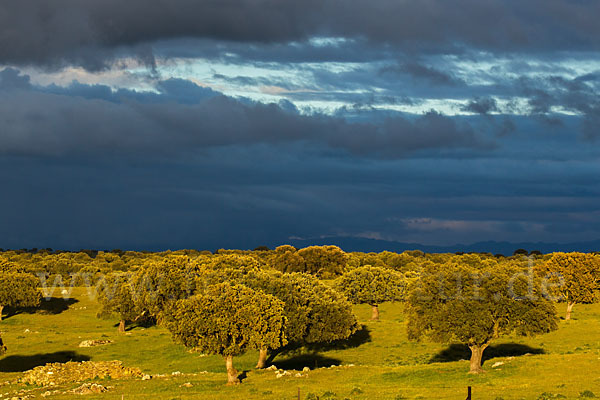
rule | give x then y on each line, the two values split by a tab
185	166
90	32
428	121
246	197
186	118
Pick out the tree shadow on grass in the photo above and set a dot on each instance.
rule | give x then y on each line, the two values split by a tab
142	323
456	352
298	356
51	306
360	337
243	375
310	360
24	363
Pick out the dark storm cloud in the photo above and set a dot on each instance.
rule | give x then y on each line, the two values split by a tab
93	119
343	50
246	196
481	106
90	32
241	174
169	90
258	81
577	95
420	71
11	78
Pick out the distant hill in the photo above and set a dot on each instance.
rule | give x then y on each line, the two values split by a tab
506	248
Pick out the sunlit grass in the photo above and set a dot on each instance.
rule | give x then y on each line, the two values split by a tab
386	364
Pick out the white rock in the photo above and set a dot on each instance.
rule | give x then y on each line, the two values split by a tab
305	369
497	364
146	377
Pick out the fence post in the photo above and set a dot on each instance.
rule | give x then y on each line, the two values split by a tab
468	393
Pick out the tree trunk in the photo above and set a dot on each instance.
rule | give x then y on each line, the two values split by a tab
122	326
375	312
262	358
232	373
1	308
570	305
476	355
2	347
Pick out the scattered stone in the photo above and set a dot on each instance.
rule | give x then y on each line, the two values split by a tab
271	368
58	373
93	343
298	375
26	331
187	384
281	373
497	364
146	377
90	388
305	369
197	351
176	373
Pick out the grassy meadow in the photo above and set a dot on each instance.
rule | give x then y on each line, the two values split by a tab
377	363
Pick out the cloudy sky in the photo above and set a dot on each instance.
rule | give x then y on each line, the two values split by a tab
236	123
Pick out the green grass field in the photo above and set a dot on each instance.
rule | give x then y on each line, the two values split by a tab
378	363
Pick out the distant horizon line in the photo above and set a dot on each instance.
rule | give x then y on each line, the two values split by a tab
474	247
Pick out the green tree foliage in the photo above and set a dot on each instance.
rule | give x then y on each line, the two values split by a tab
573	277
262	248
407	261
236	264
116	296
475	306
228	320
288	260
158	285
372	285
285	248
324	261
18	289
315	313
